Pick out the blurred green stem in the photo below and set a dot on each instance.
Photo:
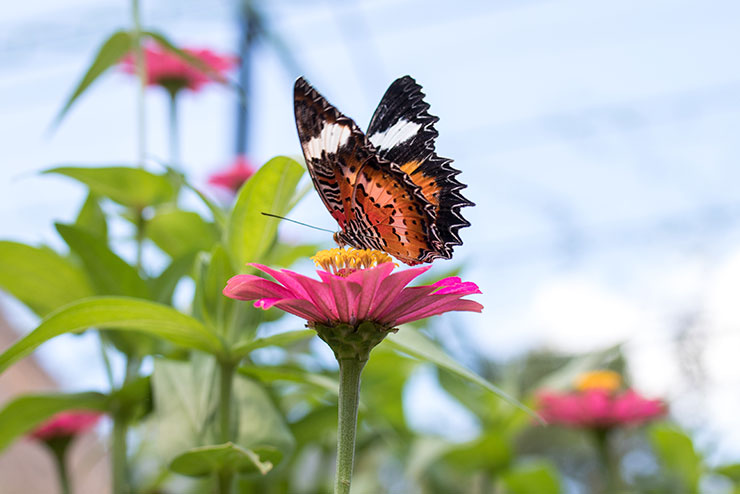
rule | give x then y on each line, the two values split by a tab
120	434
349	399
58	448
174	132
226	378
609	461
141	73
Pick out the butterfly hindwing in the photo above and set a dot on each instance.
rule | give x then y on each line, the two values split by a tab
403	132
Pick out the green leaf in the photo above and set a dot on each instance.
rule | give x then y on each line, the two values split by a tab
280	339
414	343
91	218
676	452
23	414
730	471
110	274
132	187
490	453
383	382
163	286
250	233
124	314
216	306
285	255
205	460
179	232
529	478
40	278
268	374
109	54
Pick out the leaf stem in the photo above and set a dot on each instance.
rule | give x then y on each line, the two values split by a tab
226	382
349	399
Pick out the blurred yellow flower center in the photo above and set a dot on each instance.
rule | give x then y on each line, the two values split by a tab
344	262
600	379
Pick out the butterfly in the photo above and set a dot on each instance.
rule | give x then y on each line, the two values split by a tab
387	189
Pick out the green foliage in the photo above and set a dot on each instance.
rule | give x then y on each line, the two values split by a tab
179	233
676	453
109	54
205	460
41	278
132	187
110	274
91	218
249	233
125	314
529	478
23	414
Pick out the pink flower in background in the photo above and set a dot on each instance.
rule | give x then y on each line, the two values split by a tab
598	404
168	70
66	424
233	177
355	286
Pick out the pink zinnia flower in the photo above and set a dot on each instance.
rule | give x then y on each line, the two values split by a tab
66	424
233	177
168	70
598	404
351	290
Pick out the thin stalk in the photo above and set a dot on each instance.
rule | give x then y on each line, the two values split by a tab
60	454
140	63
120	435
349	400
174	132
226	382
609	462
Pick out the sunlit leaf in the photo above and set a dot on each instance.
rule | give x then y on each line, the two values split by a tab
529	478
23	414
109	54
179	232
41	278
414	343
228	457
91	218
280	339
110	274
128	186
123	314
270	190
677	454
163	286
268	374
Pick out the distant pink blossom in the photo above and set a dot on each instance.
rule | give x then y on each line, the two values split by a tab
598	408
233	177
353	295
166	69
66	424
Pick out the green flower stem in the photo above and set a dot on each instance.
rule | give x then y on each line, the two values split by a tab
58	448
174	132
609	462
226	378
349	399
140	63
120	435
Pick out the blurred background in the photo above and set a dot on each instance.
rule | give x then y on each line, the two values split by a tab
598	140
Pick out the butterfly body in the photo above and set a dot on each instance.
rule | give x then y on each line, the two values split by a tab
388	190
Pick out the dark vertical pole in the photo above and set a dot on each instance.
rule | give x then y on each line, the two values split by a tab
247	26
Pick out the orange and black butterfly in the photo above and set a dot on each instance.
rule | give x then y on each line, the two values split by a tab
388	189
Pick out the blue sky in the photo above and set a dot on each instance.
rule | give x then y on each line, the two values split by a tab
598	139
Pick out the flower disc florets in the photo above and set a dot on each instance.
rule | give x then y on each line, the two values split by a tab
344	262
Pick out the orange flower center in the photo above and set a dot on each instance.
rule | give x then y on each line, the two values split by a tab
343	262
600	379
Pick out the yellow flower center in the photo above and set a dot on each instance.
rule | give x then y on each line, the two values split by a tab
600	379
344	262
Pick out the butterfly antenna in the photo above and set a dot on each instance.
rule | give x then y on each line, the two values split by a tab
297	222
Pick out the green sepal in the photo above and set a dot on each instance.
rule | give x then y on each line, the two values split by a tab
350	342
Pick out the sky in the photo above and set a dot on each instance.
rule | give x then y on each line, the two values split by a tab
598	141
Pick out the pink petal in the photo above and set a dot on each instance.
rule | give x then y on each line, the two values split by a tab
409	299
319	294
371	282
285	277
251	287
391	287
455	285
303	309
440	308
345	294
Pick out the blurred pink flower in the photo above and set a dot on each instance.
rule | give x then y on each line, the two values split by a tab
168	70
354	292
598	408
234	176
66	424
